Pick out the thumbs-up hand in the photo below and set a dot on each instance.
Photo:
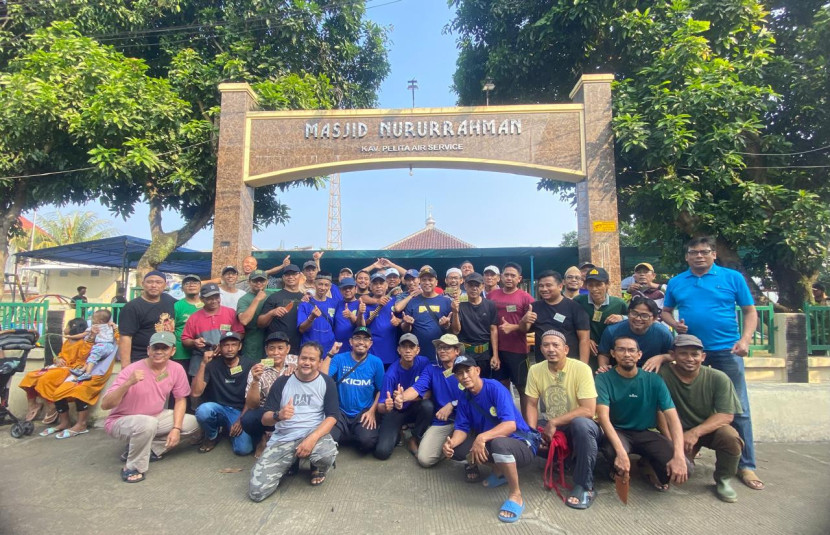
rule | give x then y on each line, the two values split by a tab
316	312
506	327
286	261
287	410
361	308
389	402
445	321
448	448
335	348
408	319
681	327
399	398
395	321
530	316
455	303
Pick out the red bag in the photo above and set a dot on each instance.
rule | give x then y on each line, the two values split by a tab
557	453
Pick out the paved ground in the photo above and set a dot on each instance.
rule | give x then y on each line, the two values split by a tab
50	486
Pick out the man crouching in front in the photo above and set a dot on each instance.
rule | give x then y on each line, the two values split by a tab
303	407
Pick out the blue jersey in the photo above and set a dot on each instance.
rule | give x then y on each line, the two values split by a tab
384	334
427	312
707	304
343	327
322	329
357	391
493	405
397	375
443	385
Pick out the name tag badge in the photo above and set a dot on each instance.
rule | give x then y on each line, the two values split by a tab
161	376
511	308
597	316
559	317
225	327
236	369
448	372
268	363
331	312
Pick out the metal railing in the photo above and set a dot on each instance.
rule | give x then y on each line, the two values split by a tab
818	327
85	310
763	338
24	316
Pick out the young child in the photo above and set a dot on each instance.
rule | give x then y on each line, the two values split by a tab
102	333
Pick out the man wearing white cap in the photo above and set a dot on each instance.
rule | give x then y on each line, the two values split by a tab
492	276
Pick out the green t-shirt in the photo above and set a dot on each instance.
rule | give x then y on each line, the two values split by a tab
252	346
183	310
598	315
711	392
633	403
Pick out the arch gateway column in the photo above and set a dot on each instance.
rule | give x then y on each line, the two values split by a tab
569	142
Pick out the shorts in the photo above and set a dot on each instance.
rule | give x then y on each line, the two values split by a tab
514	367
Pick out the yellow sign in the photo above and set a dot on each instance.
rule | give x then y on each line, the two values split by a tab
605	226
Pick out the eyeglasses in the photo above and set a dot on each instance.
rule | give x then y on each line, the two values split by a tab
702	252
626	350
636	316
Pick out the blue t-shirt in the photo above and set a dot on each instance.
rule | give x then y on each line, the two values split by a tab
396	375
445	388
384	334
633	403
495	400
343	328
357	391
426	327
322	329
657	340
707	304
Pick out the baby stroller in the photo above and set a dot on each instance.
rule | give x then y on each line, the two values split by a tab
14	339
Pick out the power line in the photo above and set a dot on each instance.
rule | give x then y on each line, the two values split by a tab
784	153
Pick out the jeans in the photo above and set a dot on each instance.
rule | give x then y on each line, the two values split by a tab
419	412
211	416
733	366
584	436
252	424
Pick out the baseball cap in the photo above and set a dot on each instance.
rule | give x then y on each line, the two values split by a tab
277	336
597	274
393	271
362	331
583	265
463	361
229	268
474	277
428	271
687	340
348	281
492	269
230	335
310	263
346	270
453	270
408	337
645	265
378	275
209	289
195	278
164	337
290	268
411	273
257	274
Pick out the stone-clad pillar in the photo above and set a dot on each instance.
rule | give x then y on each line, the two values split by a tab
596	196
234	217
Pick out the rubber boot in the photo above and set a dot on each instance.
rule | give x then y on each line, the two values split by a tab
726	466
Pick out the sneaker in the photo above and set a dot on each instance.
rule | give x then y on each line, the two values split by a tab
77	372
84	377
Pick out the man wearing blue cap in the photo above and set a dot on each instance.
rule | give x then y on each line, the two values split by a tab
145	315
349	312
315	318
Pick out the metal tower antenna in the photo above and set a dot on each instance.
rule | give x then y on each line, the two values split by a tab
334	237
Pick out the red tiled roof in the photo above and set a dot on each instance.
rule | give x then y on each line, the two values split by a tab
430	238
26	225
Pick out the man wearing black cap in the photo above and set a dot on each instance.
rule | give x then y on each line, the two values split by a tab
381	320
477	325
247	311
279	311
229	292
184	308
150	312
205	327
359	378
315	318
221	383
425	313
706	404
602	309
490	430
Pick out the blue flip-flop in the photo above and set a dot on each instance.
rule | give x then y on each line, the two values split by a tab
492	481
48	431
510	506
68	433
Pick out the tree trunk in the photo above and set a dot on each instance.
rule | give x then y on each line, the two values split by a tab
163	243
8	219
794	287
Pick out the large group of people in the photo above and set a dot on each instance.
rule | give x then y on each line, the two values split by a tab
298	367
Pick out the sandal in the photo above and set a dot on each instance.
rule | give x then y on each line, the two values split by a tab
208	444
584	497
472	473
318	477
32	413
513	508
492	481
750	479
154	457
131	476
49	431
50	418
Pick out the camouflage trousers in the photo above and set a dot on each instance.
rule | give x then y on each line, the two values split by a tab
278	458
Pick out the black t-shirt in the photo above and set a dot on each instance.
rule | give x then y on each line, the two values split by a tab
566	317
224	387
476	321
141	319
287	323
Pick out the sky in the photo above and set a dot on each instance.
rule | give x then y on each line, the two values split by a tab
482	208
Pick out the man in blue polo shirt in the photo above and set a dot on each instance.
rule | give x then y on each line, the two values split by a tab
401	375
315	319
359	379
490	429
349	312
705	297
654	338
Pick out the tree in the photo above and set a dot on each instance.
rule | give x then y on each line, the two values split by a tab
297	54
63	229
569	239
691	102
